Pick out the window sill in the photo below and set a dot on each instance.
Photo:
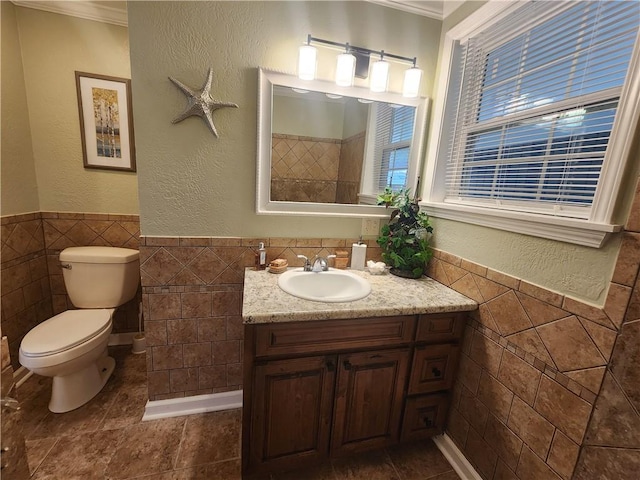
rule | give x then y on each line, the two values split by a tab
569	230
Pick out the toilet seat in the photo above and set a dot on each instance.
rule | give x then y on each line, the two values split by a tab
65	331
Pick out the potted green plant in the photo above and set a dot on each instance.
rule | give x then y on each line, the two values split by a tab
405	239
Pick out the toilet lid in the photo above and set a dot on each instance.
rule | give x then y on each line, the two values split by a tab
65	331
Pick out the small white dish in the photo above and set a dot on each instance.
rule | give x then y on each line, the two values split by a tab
376	268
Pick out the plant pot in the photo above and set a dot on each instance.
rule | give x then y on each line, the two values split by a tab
404	273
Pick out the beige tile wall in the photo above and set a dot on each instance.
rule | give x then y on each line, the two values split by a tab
304	169
32	286
350	169
62	230
26	292
532	368
611	448
321	170
192	299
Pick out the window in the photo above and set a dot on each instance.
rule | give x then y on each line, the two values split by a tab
529	120
395	130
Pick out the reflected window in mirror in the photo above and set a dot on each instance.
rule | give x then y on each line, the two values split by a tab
330	150
389	144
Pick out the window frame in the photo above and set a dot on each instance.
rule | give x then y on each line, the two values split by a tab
591	232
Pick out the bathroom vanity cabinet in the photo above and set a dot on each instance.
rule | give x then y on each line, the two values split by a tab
326	388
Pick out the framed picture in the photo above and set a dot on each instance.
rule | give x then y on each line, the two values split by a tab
106	122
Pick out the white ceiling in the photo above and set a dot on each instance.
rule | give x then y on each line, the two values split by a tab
116	11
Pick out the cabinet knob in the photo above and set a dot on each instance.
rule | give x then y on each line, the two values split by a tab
436	372
347	365
331	366
427	421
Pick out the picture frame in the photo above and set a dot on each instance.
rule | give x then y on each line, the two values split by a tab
106	122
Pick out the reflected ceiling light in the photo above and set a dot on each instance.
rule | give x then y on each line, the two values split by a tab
299	90
345	68
307	55
354	61
379	75
333	96
364	100
412	78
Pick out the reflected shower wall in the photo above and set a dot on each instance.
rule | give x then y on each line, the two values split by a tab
319	170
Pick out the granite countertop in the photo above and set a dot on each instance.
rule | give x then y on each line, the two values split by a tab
265	302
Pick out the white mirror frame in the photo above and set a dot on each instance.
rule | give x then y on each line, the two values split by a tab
264	205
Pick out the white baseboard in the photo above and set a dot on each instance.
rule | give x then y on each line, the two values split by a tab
125	338
176	407
455	457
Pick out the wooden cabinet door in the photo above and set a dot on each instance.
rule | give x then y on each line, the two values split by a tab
370	388
291	415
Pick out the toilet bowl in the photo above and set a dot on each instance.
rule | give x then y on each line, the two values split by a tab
71	347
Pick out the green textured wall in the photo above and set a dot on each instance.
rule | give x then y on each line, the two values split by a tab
194	184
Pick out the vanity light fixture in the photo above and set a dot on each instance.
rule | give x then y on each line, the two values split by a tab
307	61
354	61
411	84
379	75
345	68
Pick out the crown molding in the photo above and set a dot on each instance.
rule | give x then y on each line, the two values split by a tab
431	9
86	9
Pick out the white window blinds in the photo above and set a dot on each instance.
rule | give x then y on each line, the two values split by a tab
392	148
535	105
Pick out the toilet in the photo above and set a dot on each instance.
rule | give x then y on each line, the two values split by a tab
71	347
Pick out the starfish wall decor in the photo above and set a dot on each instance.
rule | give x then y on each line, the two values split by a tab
201	103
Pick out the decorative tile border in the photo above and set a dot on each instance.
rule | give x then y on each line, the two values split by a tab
555	333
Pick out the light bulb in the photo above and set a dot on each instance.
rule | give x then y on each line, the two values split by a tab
379	76
411	86
307	62
345	69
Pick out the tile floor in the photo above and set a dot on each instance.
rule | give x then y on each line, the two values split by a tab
105	439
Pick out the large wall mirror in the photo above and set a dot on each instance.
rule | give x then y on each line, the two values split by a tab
329	150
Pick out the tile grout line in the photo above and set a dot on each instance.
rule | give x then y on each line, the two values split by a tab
179	450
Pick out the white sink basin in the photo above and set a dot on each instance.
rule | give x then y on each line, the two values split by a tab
330	286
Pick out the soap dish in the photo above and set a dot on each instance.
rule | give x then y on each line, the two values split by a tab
279	265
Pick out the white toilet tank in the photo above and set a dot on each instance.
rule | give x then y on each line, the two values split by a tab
100	277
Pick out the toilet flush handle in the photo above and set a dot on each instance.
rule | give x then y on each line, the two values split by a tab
66	265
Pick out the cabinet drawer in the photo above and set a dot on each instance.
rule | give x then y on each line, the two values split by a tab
440	328
433	368
424	416
333	335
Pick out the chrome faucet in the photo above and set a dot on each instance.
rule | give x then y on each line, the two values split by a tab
307	264
320	264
